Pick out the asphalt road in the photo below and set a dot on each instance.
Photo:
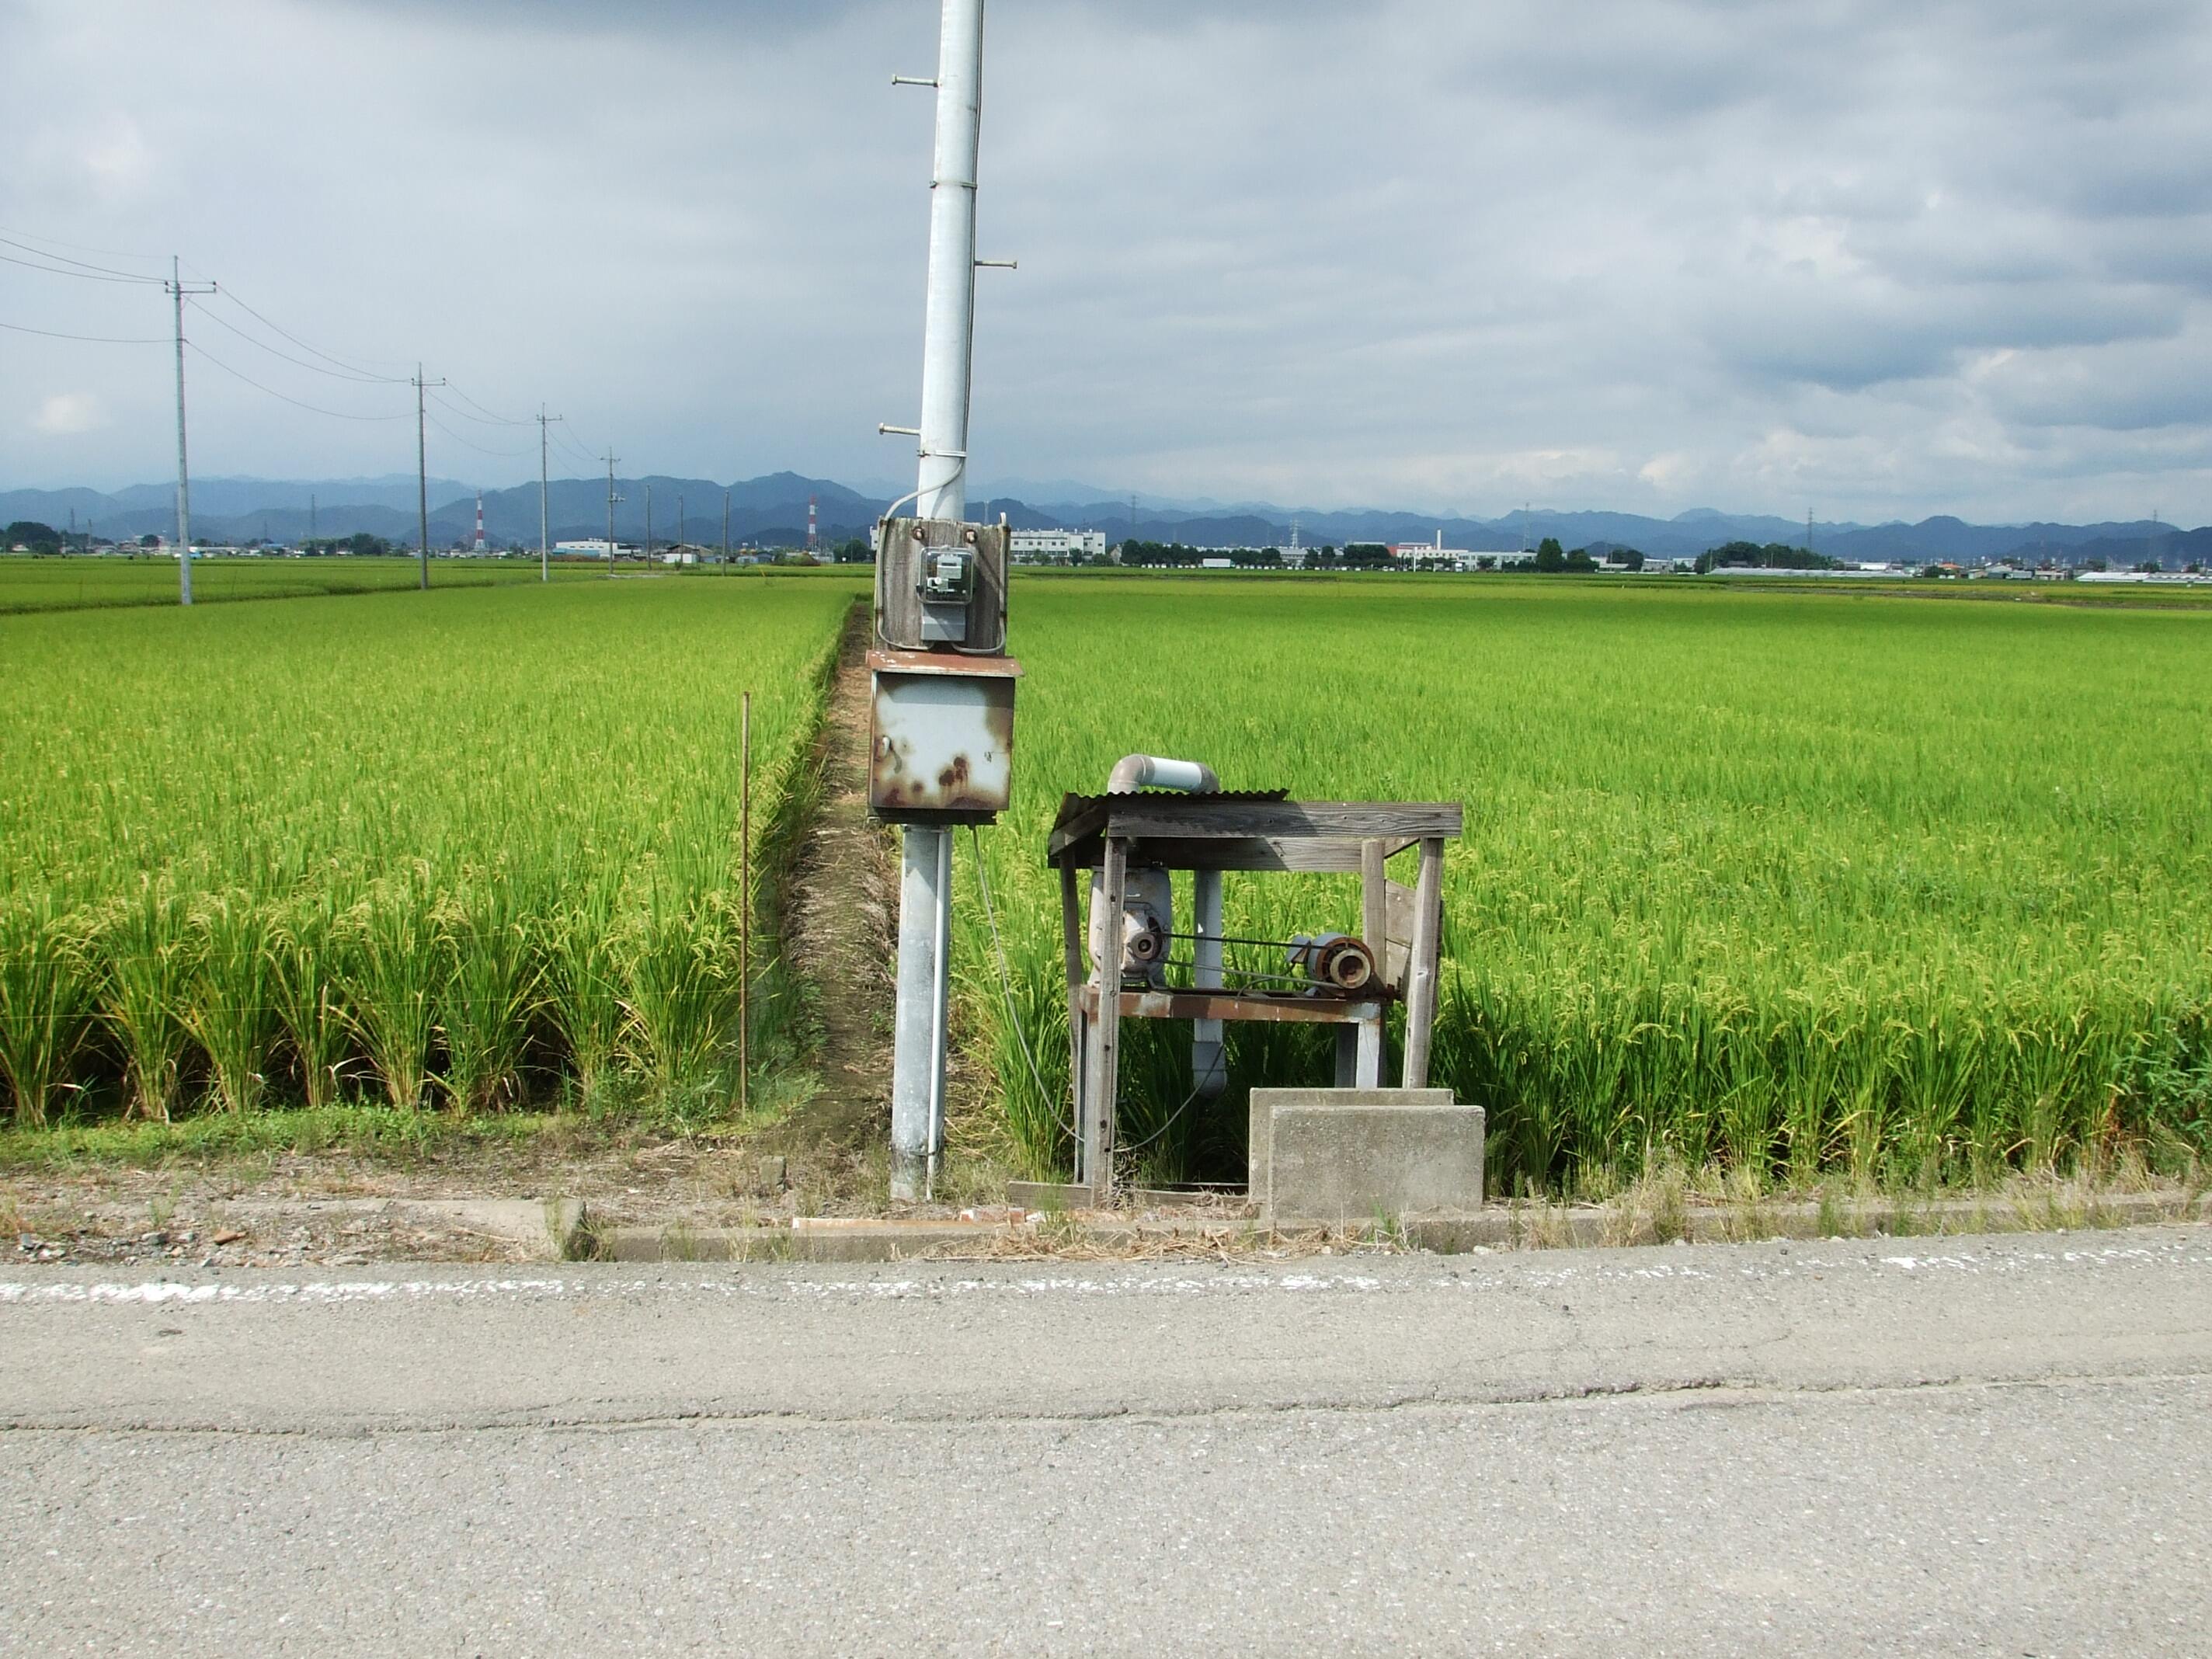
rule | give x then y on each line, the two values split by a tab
1955	1446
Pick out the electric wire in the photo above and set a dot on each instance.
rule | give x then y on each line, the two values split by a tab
492	415
82	276
262	345
312	408
82	248
576	452
105	271
97	339
226	293
295	339
341	368
503	454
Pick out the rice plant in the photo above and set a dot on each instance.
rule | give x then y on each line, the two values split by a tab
1794	884
146	956
46	992
388	848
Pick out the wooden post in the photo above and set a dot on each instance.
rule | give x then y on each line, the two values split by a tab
1071	930
1100	1098
1374	898
1374	926
744	900
1421	963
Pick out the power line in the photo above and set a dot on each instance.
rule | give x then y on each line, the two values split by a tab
82	276
83	247
98	339
262	345
312	408
500	454
307	346
495	418
576	451
103	270
480	420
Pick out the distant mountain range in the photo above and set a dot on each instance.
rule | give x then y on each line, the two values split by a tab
771	511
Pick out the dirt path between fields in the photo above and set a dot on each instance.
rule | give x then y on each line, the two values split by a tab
841	926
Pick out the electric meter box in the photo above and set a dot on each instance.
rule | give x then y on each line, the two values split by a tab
941	585
941	718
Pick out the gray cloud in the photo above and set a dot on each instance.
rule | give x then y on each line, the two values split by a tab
1872	256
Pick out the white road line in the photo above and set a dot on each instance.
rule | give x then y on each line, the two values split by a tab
1492	1274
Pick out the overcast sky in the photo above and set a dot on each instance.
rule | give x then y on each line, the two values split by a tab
1875	258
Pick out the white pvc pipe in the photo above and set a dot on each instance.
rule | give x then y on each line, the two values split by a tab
1133	772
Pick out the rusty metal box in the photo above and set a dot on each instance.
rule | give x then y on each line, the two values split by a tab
941	736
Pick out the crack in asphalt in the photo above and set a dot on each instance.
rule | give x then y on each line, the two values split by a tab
1713	1388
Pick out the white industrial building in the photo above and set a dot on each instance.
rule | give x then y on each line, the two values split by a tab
1057	544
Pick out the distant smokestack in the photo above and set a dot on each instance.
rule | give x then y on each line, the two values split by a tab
813	539
480	535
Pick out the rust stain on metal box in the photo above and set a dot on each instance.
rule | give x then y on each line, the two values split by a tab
941	742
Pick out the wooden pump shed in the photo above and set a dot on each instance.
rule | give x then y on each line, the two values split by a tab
1262	832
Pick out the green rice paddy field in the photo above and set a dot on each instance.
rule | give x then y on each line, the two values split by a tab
1793	883
30	583
469	848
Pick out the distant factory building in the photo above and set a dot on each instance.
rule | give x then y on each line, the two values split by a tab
1460	558
1054	545
1455	558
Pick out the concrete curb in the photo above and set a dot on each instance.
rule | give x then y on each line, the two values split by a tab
1516	1226
836	1241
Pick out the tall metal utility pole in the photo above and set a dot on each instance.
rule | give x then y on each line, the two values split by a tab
177	289
423	477
679	531
948	352
726	532
612	500
544	545
311	519
648	523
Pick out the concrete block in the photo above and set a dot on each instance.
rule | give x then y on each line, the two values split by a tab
1333	1156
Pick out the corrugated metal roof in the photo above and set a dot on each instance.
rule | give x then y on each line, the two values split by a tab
1071	806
